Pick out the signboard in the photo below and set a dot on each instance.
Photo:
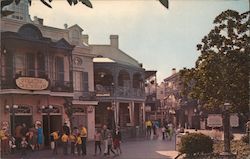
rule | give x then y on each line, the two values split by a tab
30	83
234	120
98	94
214	120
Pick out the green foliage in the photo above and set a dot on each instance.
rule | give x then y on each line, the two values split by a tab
196	143
45	2
221	73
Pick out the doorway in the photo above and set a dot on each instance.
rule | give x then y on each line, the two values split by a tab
55	122
20	119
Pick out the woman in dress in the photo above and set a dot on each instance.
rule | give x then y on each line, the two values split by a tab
39	135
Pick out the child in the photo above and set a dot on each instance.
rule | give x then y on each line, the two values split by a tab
24	145
163	130
54	139
65	139
98	141
110	142
72	139
12	144
78	144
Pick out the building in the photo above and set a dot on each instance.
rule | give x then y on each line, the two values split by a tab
44	71
119	86
179	109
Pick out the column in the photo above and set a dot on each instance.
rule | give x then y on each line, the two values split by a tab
143	112
132	113
117	107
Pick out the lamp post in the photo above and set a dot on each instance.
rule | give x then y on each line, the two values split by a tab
226	128
12	110
48	110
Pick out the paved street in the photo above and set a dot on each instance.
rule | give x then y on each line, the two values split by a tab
137	149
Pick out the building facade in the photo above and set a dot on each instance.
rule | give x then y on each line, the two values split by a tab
43	71
179	109
119	86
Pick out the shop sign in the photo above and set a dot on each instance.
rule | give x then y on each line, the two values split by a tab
30	83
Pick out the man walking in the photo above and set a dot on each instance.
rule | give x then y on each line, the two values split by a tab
105	133
83	135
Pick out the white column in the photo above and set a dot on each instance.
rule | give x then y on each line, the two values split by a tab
91	123
132	113
117	112
143	112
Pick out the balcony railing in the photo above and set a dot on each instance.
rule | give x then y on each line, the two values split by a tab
88	96
111	91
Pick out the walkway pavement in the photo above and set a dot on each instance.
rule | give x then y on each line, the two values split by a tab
134	149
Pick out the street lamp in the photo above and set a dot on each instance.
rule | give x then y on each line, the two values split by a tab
12	110
226	128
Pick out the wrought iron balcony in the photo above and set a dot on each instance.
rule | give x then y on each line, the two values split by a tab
118	91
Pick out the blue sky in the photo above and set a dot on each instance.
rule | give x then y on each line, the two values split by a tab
161	39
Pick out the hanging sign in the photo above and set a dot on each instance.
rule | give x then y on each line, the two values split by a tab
30	83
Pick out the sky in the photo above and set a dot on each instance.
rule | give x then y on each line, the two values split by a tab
159	38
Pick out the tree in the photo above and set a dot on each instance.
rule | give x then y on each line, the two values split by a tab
45	2
221	73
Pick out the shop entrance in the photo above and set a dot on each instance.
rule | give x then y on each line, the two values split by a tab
19	120
55	122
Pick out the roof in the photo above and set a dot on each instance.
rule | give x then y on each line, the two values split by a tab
114	54
150	73
103	59
173	76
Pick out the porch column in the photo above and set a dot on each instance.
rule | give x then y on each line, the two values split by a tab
143	112
116	112
132	113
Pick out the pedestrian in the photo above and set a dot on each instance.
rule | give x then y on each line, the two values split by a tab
163	130
148	127
66	129
18	136
110	144
39	136
4	136
65	139
117	137
97	138
30	139
24	130
12	144
24	145
105	133
83	133
78	144
170	130
72	140
54	137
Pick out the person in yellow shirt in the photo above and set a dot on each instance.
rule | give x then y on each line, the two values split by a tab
83	134
65	139
78	144
54	141
72	140
149	127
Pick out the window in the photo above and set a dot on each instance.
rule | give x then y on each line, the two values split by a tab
20	64
59	69
31	65
78	81
85	81
41	64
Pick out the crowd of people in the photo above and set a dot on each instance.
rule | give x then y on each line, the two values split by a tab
166	129
71	141
22	139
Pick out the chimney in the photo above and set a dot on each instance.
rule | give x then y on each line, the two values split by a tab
173	71
85	39
114	41
65	26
